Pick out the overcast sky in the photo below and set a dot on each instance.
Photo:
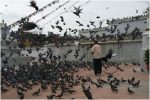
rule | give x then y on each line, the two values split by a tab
13	10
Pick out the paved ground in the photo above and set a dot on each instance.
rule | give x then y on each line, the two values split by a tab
98	93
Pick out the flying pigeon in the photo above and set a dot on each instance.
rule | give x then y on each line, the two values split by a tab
62	19
60	28
78	11
33	4
28	26
97	17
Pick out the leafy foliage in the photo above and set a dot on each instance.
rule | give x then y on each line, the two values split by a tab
146	56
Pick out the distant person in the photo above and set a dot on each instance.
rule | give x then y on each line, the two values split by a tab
97	55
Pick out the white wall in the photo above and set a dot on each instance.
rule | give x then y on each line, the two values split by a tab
129	52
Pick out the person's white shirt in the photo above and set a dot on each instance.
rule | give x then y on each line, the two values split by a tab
96	51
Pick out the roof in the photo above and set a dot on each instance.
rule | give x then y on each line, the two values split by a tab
126	19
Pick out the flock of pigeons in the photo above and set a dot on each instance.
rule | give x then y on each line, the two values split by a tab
59	75
50	71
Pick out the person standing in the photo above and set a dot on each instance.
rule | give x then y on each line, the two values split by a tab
97	55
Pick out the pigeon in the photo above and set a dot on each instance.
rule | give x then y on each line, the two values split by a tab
119	68
64	23
108	56
28	26
60	28
97	17
119	22
130	91
19	93
100	24
136	84
83	87
145	22
138	64
110	76
34	5
52	26
5	61
98	85
129	81
43	86
132	80
77	11
136	18
2	54
50	97
43	17
37	49
71	91
134	70
36	93
57	22
127	28
53	89
92	22
99	81
123	80
87	93
62	19
114	89
11	54
134	63
21	97
142	70
61	94
29	51
103	81
105	59
7	42
21	88
88	25
136	11
79	23
3	89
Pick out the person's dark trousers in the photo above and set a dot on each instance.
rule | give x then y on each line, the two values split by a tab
97	66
